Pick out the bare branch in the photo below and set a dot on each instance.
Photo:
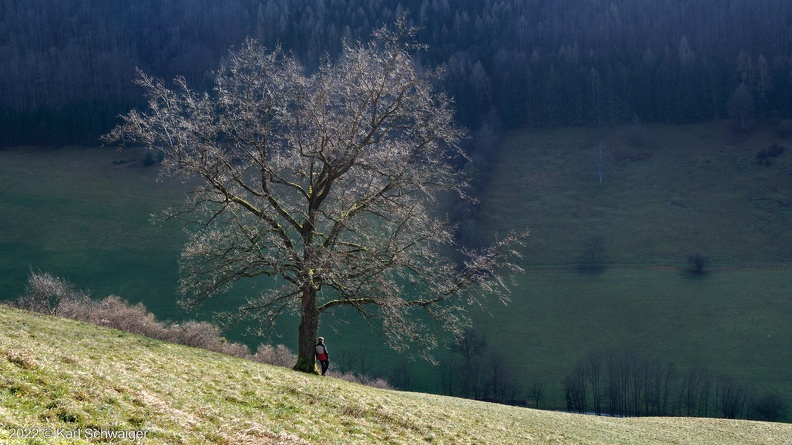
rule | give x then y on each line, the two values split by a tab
328	182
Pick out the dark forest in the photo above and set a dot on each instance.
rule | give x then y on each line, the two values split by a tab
68	65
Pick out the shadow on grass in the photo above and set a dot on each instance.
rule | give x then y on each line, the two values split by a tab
592	269
693	274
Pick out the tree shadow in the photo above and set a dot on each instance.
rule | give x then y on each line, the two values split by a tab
693	274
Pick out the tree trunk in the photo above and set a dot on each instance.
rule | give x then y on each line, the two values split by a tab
309	326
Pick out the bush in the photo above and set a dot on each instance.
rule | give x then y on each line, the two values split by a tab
373	382
765	156
113	312
235	350
277	356
698	261
46	293
76	308
770	407
591	258
52	295
197	334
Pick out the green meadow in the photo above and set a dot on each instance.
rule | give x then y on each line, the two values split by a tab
82	214
686	189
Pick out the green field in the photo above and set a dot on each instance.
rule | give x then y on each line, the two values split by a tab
688	189
66	382
75	213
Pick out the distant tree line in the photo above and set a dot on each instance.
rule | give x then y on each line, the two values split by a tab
475	370
68	64
627	384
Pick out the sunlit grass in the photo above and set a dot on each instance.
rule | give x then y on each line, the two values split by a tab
69	376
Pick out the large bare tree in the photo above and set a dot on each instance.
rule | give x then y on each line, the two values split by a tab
331	181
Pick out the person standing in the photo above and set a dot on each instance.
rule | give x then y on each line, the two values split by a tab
321	354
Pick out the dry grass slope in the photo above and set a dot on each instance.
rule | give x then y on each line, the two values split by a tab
78	379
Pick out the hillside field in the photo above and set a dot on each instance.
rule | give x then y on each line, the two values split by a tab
68	382
685	189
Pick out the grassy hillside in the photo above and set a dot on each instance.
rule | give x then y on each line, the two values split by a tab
685	189
81	380
694	188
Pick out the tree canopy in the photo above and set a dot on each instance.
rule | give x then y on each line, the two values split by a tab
330	182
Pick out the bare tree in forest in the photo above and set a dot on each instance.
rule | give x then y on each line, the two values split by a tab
769	407
402	376
741	107
594	375
500	384
471	346
731	396
575	388
449	372
694	392
329	182
536	391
